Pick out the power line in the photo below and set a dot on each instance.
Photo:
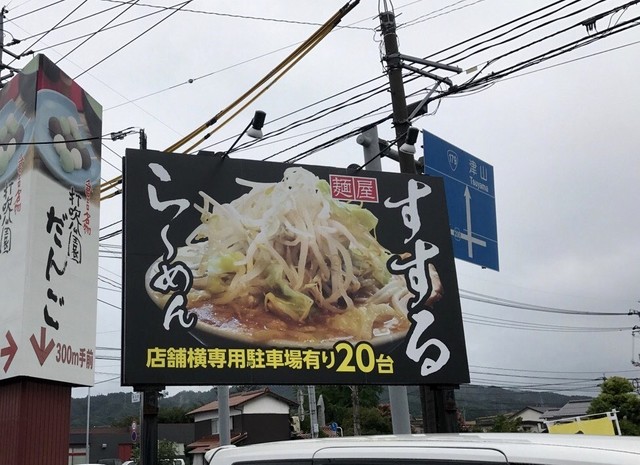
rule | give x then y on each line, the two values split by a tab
37	10
572	60
494	29
123	23
70	23
432	15
109	304
522	34
238	16
182	4
508	375
338	139
54	27
479	297
553	52
556	372
473	84
324	112
512	324
131	5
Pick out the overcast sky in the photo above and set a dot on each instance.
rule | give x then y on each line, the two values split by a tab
562	136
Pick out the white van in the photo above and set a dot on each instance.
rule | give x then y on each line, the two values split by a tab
437	449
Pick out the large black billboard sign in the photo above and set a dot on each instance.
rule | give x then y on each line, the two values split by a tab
249	272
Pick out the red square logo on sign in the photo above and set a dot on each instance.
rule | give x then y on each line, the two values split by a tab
353	188
366	189
342	187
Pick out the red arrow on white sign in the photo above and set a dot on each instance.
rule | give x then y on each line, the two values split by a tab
9	351
42	349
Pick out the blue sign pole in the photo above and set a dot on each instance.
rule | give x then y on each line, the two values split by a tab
470	194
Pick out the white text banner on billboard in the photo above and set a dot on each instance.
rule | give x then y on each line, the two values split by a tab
49	225
248	272
470	192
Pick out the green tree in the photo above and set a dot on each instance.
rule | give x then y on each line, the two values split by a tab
167	451
374	421
339	408
618	393
174	415
504	424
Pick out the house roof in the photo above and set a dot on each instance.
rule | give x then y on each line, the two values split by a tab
528	407
573	408
209	442
102	430
240	398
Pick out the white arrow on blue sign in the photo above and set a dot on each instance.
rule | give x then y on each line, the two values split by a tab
470	192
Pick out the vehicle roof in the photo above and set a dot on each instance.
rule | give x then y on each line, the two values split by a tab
518	447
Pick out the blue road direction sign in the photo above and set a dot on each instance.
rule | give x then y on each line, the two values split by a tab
469	188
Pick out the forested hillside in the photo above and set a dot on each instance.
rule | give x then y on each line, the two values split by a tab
473	401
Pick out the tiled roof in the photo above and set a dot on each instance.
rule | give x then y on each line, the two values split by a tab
573	408
240	398
209	442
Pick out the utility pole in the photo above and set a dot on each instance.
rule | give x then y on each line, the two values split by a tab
143	139
355	402
398	398
2	12
313	411
396	86
224	416
12	71
437	404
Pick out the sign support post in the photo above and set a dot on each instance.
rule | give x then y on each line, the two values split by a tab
149	442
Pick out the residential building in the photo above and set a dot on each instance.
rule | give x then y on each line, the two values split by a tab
573	408
255	417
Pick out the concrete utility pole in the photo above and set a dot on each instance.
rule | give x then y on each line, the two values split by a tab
224	416
355	402
437	404
396	86
313	411
2	12
12	71
398	398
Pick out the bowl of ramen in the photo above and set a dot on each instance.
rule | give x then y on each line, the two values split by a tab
287	265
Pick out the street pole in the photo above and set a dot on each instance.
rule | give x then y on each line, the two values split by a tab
2	12
396	86
143	139
87	443
224	416
438	405
398	398
313	411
